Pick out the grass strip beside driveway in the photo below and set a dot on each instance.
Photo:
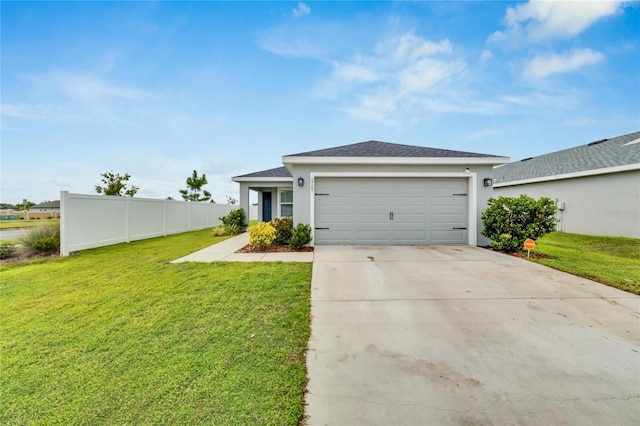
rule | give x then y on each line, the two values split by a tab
10	224
117	335
614	261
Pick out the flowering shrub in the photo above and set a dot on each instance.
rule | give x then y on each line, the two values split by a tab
284	228
261	235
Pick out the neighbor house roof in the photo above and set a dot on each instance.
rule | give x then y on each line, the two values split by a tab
386	149
602	156
48	205
279	173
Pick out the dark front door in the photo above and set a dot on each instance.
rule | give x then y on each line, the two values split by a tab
266	206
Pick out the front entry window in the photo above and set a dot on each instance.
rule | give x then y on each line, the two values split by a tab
286	203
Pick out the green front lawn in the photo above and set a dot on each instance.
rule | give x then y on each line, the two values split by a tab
117	335
610	260
7	224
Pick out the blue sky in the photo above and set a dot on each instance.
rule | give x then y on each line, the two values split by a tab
158	89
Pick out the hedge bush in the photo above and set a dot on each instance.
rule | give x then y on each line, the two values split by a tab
509	221
301	236
284	229
7	250
234	222
261	235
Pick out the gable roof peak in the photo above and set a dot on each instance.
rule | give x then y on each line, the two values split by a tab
373	148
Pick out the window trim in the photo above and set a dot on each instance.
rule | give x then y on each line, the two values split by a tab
280	190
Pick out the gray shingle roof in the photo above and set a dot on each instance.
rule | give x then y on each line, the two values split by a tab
618	151
278	172
49	205
386	149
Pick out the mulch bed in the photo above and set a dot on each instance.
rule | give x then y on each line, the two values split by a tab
273	249
523	254
532	255
28	255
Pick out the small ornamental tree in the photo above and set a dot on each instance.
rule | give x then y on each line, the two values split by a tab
509	221
114	184
194	191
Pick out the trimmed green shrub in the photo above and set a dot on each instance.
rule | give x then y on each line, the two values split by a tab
301	236
46	244
7	250
284	229
261	235
234	222
509	221
44	238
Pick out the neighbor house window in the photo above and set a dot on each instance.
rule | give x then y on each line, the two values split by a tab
286	203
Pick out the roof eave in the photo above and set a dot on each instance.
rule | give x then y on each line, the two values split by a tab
287	160
261	179
585	173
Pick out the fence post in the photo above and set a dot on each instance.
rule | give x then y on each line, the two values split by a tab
164	218
126	222
64	251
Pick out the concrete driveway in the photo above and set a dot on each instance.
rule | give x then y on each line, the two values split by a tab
466	336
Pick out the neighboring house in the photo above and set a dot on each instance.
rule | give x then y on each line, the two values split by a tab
596	186
378	193
49	206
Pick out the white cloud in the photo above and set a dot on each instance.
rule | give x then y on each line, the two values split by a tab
542	20
88	87
404	77
483	134
485	56
301	10
355	72
546	65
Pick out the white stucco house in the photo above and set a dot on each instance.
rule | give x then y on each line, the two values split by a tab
596	186
378	193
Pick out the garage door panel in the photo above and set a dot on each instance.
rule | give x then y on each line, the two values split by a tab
357	211
451	219
372	237
448	201
372	218
407	201
409	218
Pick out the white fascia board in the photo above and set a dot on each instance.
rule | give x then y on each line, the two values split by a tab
585	173
396	160
262	179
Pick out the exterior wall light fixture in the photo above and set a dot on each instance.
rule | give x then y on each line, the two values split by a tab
300	181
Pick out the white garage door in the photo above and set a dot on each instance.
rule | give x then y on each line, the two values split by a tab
391	211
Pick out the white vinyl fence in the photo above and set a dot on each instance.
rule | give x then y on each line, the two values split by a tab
89	221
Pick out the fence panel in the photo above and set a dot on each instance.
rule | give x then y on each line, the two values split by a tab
89	221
